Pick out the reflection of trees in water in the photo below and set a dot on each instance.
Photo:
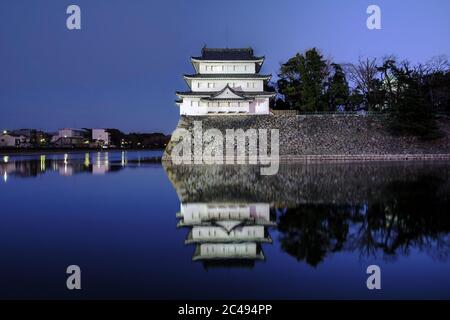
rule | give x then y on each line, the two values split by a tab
387	209
309	232
402	215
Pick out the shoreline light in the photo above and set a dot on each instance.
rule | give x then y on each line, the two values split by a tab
42	159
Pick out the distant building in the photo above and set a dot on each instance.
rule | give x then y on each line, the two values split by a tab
35	138
71	133
101	137
227	81
24	132
68	137
12	140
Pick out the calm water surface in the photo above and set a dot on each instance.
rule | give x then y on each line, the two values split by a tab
142	230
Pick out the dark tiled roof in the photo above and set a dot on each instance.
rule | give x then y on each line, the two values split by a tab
228	99
15	135
227	54
208	94
228	75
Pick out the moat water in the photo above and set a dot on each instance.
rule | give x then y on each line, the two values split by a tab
139	229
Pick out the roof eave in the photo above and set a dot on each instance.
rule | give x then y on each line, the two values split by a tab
225	99
209	94
188	81
193	65
182	95
190	77
256	59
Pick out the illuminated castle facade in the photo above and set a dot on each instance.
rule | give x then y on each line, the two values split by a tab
226	81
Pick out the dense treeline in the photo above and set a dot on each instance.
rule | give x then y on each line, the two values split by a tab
410	94
138	140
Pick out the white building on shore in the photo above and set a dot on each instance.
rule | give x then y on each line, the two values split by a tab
12	140
69	133
226	81
101	137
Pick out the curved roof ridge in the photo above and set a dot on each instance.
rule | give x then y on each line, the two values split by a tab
231	89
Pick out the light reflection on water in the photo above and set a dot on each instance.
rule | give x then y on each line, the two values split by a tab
152	231
68	164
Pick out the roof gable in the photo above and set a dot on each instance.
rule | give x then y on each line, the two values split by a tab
227	93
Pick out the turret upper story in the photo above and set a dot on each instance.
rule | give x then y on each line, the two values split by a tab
235	61
217	68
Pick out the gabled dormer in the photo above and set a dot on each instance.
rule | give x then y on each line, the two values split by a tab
228	93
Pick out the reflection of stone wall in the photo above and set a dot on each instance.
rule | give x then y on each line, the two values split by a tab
327	135
295	183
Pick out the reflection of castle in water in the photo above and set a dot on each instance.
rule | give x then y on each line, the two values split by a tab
226	232
376	209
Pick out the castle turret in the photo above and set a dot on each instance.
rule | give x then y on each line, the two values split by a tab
227	81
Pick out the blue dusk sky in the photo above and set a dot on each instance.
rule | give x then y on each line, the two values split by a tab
123	68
